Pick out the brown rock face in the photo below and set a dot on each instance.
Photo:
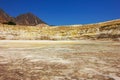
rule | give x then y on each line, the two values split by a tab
28	19
4	17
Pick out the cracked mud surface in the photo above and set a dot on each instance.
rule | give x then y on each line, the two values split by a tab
60	60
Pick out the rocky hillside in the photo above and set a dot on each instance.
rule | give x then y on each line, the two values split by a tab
109	30
4	17
28	19
24	19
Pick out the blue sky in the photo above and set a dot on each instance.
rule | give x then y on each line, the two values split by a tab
65	12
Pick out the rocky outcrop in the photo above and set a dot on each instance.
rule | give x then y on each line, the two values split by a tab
4	17
28	19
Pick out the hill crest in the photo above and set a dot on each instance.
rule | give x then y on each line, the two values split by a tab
27	19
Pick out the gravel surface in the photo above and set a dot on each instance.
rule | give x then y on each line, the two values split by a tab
59	60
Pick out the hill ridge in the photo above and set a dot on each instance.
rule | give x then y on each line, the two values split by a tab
28	19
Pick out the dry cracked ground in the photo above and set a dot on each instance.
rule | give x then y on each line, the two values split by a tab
59	60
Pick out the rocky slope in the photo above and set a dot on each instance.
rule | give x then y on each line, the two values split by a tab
28	19
109	30
4	17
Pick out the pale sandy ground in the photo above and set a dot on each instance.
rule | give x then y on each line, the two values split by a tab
59	60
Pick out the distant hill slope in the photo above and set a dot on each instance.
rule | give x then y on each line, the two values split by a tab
109	30
24	19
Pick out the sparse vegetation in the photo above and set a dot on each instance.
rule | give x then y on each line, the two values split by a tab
10	23
91	31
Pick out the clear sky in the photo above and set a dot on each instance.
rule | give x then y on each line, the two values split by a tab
65	12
